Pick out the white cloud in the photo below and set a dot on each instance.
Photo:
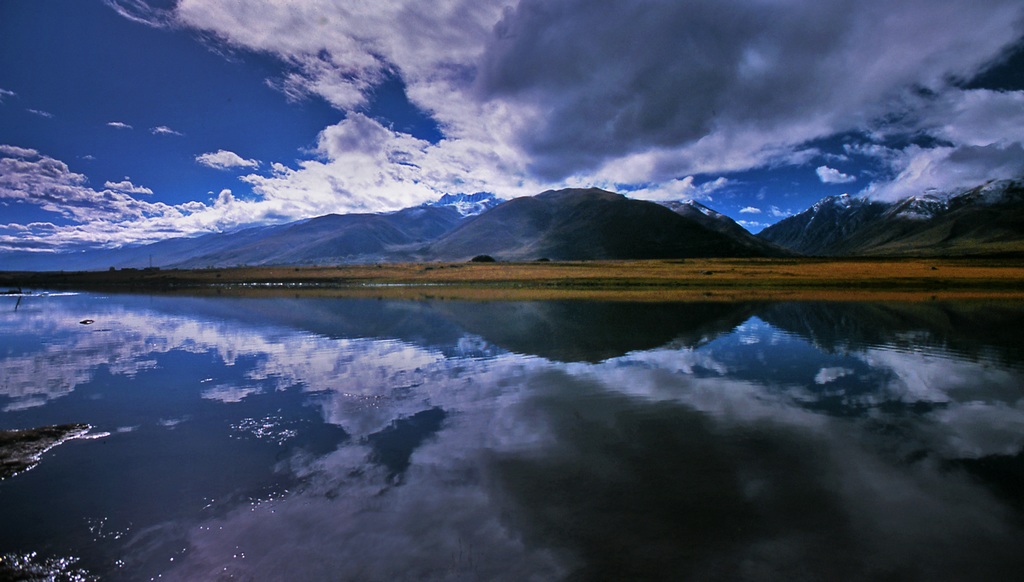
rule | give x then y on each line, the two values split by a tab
751	225
981	134
828	375
127	187
946	169
224	160
776	212
516	88
40	113
119	125
112	216
680	189
17	152
759	79
30	177
365	167
833	176
142	12
164	130
750	210
4	94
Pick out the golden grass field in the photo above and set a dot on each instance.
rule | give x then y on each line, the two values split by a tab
656	280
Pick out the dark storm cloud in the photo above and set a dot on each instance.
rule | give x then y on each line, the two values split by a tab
612	78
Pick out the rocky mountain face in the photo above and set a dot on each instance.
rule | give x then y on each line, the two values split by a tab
986	220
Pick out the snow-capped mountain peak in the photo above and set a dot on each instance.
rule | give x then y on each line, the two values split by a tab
924	207
982	219
468	204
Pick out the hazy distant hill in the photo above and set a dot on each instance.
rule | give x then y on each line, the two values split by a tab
987	220
330	239
334	239
575	224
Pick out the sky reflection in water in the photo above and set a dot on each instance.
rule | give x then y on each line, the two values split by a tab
314	439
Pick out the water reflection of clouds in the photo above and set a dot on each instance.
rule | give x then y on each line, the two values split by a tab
474	503
722	450
124	341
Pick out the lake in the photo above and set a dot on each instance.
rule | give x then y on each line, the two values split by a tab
364	439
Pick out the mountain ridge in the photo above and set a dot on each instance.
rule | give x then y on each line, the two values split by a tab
583	224
590	224
567	224
985	220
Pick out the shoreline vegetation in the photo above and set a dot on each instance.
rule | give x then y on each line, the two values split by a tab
919	279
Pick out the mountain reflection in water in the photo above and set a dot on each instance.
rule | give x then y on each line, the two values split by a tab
312	439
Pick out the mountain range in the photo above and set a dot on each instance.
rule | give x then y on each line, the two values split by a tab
576	224
985	220
590	224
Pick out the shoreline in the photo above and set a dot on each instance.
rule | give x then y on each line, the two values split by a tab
648	280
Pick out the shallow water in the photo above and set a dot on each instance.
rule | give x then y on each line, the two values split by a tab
332	439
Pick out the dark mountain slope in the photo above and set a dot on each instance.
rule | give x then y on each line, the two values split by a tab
576	224
826	227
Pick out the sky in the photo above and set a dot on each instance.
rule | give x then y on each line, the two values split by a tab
131	121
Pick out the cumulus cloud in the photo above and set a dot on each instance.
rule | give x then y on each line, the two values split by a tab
109	217
17	152
705	77
224	160
750	210
829	175
366	167
681	189
30	177
980	135
164	130
119	125
946	169
603	92
127	186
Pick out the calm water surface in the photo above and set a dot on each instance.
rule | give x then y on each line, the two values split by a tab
331	439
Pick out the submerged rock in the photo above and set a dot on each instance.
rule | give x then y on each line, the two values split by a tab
20	450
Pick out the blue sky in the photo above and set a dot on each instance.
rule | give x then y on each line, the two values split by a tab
128	121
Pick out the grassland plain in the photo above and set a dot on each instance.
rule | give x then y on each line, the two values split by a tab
655	280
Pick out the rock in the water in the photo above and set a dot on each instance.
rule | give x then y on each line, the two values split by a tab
20	450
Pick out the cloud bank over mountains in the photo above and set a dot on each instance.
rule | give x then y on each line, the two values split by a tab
636	97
